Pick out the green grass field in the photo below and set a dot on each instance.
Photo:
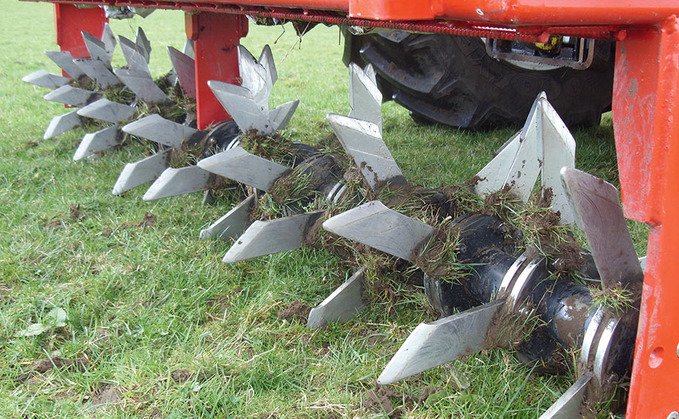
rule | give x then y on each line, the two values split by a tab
146	321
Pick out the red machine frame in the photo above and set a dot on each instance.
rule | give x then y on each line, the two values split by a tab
645	112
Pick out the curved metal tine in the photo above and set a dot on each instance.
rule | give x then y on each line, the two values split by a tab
185	68
556	149
241	105
363	142
72	96
600	217
160	130
233	223
442	341
274	236
241	166
44	79
569	405
64	60
180	181
62	123
98	141
364	96
143	171
105	110
377	226
343	304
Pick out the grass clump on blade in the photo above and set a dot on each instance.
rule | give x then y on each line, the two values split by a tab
617	300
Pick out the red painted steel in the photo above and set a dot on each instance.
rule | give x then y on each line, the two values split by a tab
646	118
534	33
70	21
216	38
510	13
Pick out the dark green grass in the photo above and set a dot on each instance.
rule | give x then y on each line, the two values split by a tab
157	325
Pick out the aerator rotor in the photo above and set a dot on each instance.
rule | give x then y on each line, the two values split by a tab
491	287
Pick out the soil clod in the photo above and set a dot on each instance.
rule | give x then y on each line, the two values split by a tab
295	311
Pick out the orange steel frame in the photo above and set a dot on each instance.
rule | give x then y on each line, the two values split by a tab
645	113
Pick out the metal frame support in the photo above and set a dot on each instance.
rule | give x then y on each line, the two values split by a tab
646	120
216	37
70	21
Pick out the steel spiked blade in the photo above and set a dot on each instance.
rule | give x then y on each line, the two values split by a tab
269	65
137	75
143	44
64	60
108	38
233	223
569	404
281	114
189	48
98	141
248	103
600	216
541	148
441	341
105	110
381	228
101	49
142	85
556	149
62	123
365	98
99	72
274	236
160	130
44	79
258	76
180	181
240	103
362	140
241	166
185	68
134	56
343	304
141	172
72	96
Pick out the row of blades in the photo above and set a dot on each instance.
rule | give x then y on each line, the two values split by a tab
543	149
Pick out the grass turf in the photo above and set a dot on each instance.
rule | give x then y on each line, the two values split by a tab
156	324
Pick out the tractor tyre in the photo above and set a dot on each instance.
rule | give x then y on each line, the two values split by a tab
451	80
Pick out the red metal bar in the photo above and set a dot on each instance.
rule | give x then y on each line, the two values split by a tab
511	13
534	33
216	38
646	118
70	21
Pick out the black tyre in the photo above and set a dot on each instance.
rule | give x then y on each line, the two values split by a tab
453	81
